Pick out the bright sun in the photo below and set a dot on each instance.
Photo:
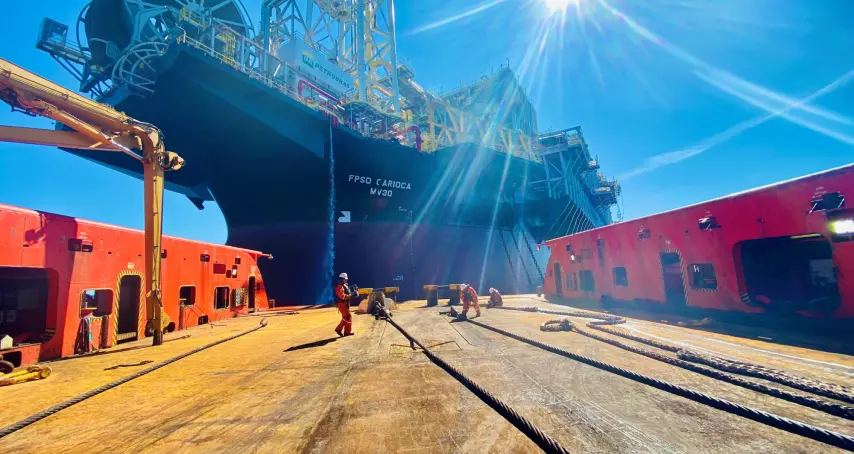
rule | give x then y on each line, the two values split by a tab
559	5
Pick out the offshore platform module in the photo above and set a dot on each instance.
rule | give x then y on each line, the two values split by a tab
316	97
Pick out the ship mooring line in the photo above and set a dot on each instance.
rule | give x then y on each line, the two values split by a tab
832	408
542	440
805	430
10	429
817	387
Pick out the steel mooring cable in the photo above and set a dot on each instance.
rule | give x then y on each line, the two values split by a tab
815	433
832	408
820	388
94	392
542	440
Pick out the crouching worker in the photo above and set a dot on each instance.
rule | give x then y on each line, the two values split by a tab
469	297
494	298
342	300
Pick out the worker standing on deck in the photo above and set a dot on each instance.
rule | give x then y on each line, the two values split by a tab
342	300
495	299
469	297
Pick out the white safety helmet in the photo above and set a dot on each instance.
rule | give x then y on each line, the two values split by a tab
343	275
491	290
464	286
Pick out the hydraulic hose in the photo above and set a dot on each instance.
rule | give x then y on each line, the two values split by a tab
94	392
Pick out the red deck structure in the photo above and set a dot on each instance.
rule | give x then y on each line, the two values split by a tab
70	286
785	249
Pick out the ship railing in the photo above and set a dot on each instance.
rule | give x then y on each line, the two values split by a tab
249	57
577	188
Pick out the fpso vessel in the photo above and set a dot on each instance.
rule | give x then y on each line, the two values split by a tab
329	156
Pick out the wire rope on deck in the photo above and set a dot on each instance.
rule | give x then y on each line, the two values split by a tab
824	389
815	403
542	440
12	428
812	432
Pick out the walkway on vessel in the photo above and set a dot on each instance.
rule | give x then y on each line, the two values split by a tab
294	386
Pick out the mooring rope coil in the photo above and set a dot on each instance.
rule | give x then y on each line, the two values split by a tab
824	389
542	440
815	433
94	392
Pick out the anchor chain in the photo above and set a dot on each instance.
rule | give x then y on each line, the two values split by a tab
522	259
533	257
509	260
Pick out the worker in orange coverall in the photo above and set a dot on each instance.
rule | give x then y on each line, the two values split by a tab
495	299
342	300
469	297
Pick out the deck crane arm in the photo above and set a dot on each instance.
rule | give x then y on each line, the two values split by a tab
97	126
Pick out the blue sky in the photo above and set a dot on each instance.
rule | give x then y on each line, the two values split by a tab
682	100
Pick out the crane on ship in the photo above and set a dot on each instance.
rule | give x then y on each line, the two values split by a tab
96	126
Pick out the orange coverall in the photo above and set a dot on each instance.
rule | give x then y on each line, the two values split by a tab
469	297
495	299
342	298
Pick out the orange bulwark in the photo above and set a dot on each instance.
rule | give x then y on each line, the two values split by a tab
76	286
787	248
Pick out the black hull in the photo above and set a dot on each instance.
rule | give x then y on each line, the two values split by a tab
323	200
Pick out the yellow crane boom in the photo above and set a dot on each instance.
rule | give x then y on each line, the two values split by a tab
97	126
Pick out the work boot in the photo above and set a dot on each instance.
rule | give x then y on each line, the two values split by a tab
349	334
339	333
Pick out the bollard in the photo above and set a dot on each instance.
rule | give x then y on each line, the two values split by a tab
455	294
539	290
432	295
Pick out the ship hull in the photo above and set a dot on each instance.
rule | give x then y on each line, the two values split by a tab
388	254
323	200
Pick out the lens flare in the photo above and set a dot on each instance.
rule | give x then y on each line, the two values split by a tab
556	6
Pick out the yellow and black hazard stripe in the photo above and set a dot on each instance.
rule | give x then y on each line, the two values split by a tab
140	319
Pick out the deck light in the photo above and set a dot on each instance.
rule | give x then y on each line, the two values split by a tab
842	227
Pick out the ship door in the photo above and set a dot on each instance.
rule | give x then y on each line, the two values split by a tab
128	317
671	274
558	275
251	294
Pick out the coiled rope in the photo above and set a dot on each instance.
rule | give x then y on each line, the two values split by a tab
94	392
542	440
815	433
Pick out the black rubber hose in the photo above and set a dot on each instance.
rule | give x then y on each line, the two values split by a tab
542	440
94	392
815	433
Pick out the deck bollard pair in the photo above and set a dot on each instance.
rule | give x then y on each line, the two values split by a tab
434	290
368	296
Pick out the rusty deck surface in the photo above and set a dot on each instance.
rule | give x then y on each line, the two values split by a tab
294	386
